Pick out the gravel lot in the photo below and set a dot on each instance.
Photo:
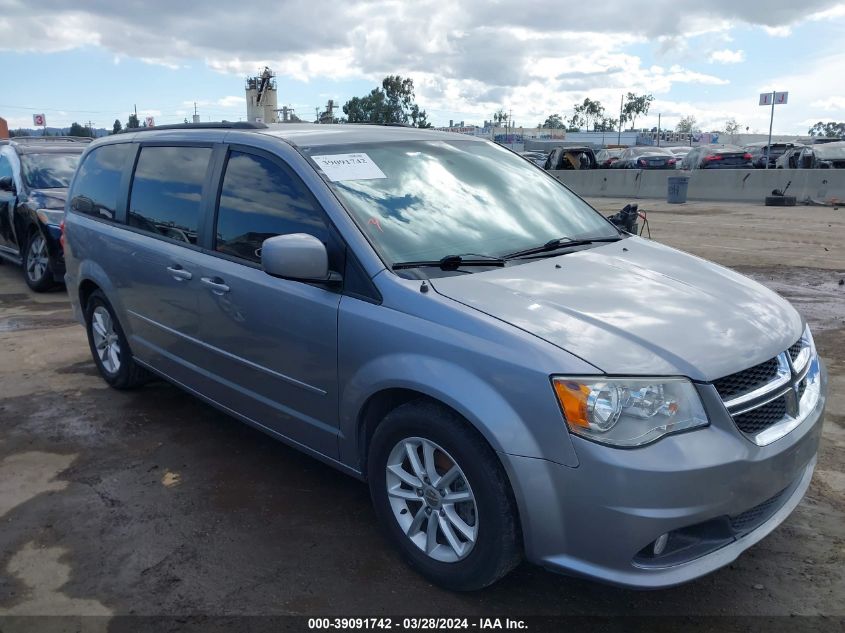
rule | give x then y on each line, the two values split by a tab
151	502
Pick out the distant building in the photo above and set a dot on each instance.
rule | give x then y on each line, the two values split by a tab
261	98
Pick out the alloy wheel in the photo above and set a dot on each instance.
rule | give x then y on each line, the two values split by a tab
37	260
431	499
106	341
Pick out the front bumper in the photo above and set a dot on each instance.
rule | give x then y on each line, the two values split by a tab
596	519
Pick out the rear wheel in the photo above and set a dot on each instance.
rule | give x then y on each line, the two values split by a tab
36	263
443	497
109	346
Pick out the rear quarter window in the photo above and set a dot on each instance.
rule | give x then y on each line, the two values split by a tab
97	185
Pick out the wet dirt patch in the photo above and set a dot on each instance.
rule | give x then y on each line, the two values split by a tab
24	476
36	322
815	293
43	572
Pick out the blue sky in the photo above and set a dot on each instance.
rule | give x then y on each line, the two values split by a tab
94	60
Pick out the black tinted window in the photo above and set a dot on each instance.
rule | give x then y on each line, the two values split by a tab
167	191
97	184
51	170
259	199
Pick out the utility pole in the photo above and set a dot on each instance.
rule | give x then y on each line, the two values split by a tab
619	136
658	129
771	121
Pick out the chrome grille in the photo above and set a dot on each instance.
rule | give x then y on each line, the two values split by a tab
768	400
747	380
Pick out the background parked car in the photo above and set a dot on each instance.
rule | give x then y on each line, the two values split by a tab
824	156
789	159
758	153
535	156
575	157
35	173
717	157
646	158
679	152
606	157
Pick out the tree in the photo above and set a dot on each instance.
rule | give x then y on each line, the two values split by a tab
80	130
829	129
133	122
587	113
635	106
392	103
500	116
607	124
731	127
687	125
553	121
117	127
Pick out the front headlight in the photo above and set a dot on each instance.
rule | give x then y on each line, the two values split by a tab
628	411
51	216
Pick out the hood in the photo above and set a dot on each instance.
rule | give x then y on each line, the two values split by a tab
49	198
637	307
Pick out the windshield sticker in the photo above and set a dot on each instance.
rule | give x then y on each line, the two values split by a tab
356	166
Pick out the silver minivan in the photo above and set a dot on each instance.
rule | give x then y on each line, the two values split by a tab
511	374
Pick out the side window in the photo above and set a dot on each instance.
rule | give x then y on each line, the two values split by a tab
5	167
166	196
260	199
97	183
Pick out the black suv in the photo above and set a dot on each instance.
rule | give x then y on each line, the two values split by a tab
35	173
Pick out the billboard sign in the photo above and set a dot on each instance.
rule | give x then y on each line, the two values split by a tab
780	98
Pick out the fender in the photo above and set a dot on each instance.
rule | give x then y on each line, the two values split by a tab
480	402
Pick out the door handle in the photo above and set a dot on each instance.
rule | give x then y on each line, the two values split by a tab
178	273
217	287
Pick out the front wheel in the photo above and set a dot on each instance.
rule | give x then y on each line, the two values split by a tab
443	497
36	263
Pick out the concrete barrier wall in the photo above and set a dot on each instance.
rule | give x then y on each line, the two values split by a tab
739	185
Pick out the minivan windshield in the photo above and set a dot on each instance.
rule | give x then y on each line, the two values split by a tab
50	170
426	200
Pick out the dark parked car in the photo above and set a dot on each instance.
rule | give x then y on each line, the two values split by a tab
646	158
606	157
758	153
34	176
717	157
823	156
580	157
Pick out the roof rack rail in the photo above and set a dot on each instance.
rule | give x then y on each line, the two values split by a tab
47	139
211	125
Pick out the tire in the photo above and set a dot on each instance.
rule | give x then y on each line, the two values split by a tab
36	263
116	365
780	201
491	515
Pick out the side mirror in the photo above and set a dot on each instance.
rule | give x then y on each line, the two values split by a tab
296	256
7	184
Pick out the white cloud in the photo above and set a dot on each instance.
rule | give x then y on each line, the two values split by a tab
727	56
778	31
830	104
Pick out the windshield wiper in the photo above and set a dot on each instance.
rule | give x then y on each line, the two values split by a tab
561	242
453	262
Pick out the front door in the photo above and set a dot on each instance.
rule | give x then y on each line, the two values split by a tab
270	345
8	201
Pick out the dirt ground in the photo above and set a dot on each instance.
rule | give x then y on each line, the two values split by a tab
151	502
